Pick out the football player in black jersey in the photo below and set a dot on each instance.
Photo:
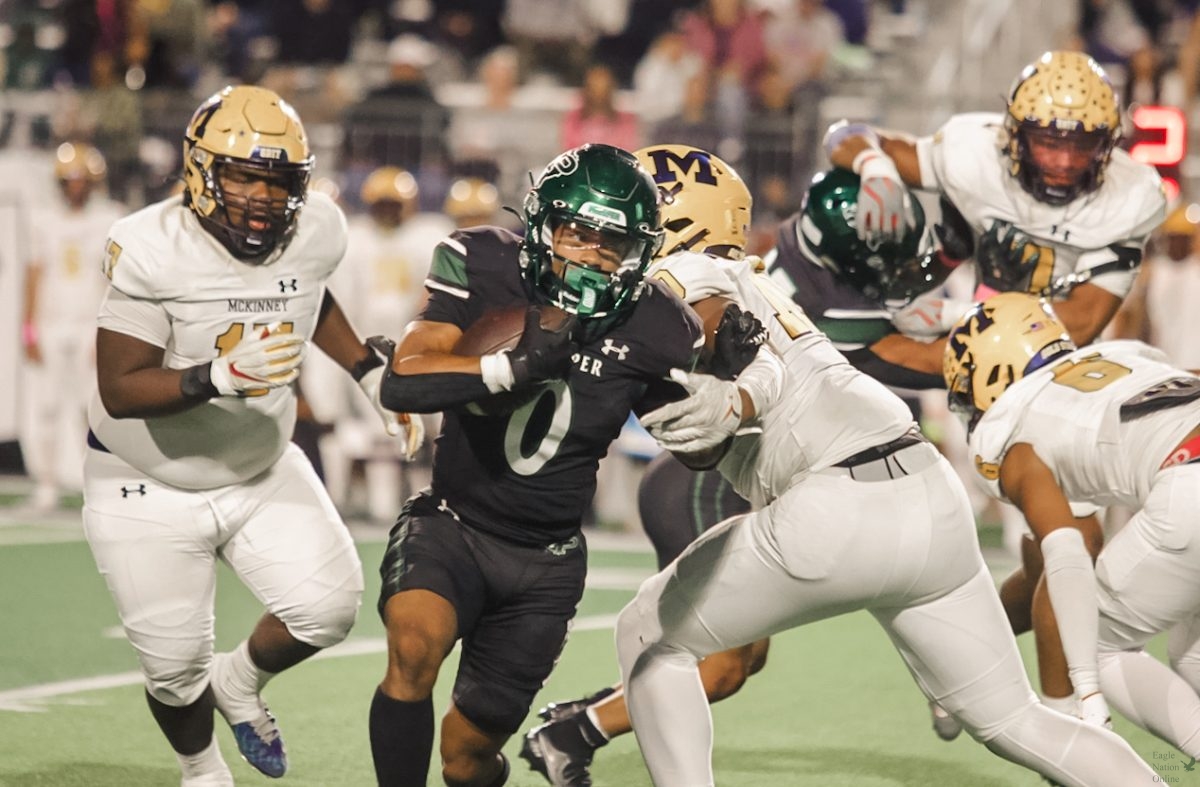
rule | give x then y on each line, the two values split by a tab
492	553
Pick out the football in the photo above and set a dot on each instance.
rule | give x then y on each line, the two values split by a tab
501	329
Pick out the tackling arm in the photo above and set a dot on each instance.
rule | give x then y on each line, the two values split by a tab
338	339
846	142
1069	574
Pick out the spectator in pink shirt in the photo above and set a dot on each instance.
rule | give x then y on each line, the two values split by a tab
729	36
597	118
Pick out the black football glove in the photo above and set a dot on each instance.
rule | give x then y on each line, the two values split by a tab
1006	258
542	354
954	234
736	342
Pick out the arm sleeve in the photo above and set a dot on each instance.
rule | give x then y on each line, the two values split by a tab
447	283
891	374
926	152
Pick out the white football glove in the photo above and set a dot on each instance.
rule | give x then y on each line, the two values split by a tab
393	423
711	413
930	316
257	364
885	211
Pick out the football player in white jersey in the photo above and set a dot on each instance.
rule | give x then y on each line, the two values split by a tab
1109	424
214	297
831	455
63	290
1057	209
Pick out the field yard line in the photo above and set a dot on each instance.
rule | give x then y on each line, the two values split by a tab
32	699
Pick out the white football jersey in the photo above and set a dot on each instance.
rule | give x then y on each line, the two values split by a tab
382	281
67	245
174	286
1070	412
964	161
828	410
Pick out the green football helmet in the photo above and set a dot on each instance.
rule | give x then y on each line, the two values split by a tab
891	272
602	193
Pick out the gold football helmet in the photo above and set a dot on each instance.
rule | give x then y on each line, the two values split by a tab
705	203
997	343
471	201
246	165
79	161
1062	123
390	193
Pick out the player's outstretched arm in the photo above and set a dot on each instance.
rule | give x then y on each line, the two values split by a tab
338	339
1070	577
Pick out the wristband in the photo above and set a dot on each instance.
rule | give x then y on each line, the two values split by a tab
863	157
842	130
497	372
196	382
29	334
762	380
371	361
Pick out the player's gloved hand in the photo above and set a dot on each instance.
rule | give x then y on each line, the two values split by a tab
1006	258
929	315
371	382
711	413
736	342
954	234
885	210
257	364
542	354
1093	709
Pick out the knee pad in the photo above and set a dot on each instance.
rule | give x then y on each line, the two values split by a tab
319	615
177	683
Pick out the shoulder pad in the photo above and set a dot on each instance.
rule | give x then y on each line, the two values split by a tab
692	276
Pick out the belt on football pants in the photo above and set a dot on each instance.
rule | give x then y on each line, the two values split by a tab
907	454
94	442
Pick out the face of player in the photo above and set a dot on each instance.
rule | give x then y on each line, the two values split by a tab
254	199
590	247
1062	159
76	192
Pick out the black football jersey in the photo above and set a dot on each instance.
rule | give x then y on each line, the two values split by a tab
850	319
530	474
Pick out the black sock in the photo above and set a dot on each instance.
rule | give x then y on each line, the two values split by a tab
502	778
401	740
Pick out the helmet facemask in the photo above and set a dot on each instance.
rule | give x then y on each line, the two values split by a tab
1059	165
256	205
584	269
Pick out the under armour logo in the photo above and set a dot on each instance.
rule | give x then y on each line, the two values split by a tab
609	348
138	489
288	285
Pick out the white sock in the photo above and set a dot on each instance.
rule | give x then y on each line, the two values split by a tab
1065	705
243	674
203	763
1071	581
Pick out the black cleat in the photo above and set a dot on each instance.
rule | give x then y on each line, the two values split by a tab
558	751
561	710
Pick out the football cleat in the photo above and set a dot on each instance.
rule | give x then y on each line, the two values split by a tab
254	728
554	711
558	751
945	725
